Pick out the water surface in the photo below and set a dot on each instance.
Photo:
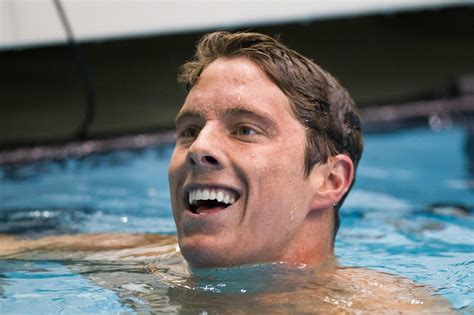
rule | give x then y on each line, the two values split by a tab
409	214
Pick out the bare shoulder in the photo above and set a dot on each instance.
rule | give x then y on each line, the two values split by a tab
375	290
104	242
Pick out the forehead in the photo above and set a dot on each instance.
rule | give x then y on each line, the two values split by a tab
228	82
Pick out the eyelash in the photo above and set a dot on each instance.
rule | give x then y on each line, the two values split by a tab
240	128
193	132
185	132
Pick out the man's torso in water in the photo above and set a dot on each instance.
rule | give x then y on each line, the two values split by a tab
286	289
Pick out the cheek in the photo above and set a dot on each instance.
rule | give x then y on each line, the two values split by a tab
177	163
283	167
279	182
176	170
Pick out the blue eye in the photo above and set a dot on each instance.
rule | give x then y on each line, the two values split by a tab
189	133
245	131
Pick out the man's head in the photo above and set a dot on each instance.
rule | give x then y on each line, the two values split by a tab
275	133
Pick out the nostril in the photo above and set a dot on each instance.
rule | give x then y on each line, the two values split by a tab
204	160
191	161
209	160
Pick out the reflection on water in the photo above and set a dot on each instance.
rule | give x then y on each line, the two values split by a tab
469	148
410	214
165	285
38	222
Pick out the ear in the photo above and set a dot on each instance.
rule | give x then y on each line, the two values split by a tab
331	181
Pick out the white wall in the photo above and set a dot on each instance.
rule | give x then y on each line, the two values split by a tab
36	22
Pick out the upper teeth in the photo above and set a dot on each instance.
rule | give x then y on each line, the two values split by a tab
221	195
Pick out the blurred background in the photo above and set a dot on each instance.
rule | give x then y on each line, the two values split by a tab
84	69
90	76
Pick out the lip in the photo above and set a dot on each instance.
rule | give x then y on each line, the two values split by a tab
188	187
207	217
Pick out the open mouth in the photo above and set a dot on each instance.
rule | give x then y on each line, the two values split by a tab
210	200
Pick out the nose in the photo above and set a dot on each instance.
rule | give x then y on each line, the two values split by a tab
205	152
202	160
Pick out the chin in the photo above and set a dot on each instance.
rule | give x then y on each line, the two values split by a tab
209	254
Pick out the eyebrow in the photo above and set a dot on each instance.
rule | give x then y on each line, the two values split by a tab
252	113
235	111
188	114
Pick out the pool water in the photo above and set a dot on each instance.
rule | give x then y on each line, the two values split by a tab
410	214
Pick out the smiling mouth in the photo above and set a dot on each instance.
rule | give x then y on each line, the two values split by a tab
210	200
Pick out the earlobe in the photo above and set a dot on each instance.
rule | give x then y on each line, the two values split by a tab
332	180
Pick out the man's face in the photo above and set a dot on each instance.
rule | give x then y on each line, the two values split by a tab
238	187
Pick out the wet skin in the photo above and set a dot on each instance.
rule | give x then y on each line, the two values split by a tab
327	289
236	132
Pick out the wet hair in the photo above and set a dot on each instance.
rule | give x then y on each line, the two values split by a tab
317	99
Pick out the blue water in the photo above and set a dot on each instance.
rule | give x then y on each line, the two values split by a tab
42	287
410	213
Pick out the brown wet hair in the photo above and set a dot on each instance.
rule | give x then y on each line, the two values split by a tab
317	99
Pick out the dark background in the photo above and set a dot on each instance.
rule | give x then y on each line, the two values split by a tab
380	59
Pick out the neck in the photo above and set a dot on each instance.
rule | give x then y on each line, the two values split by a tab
314	244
